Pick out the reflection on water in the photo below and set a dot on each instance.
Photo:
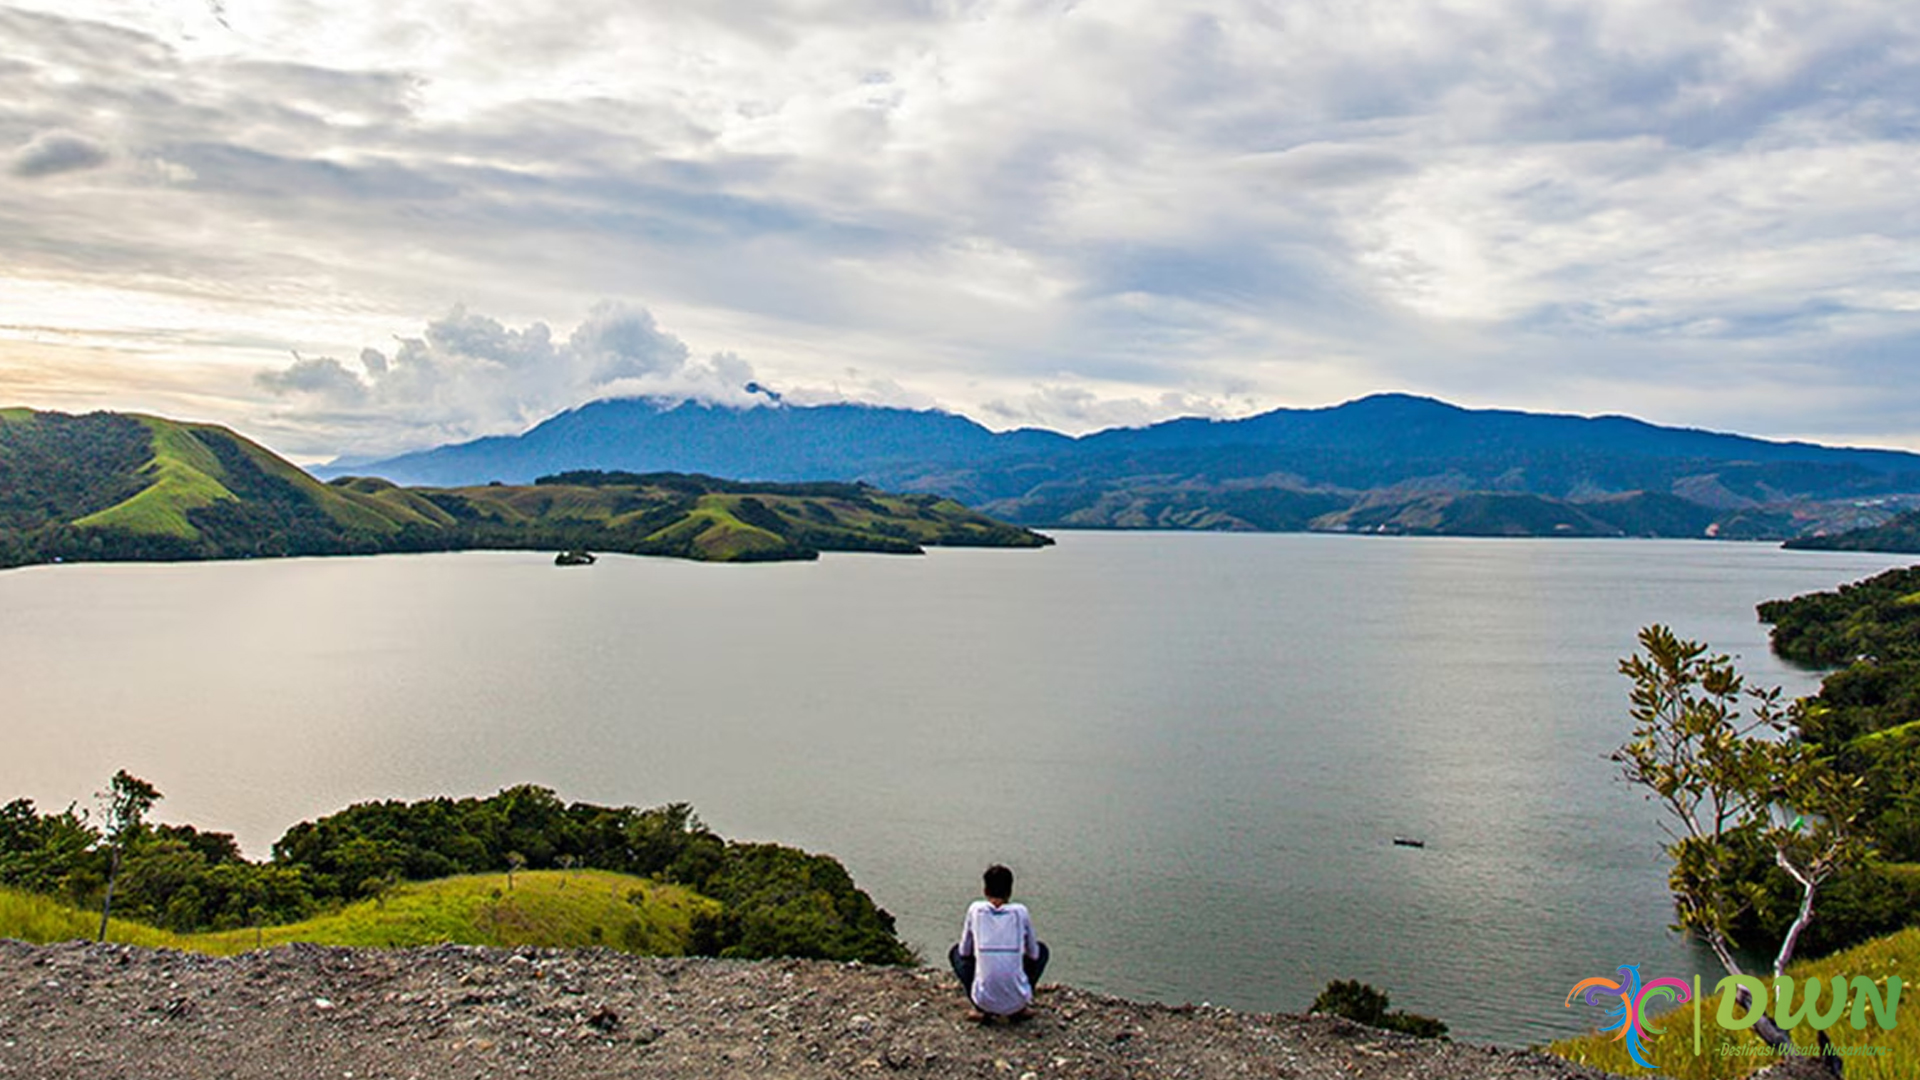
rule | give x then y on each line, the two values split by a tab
1194	749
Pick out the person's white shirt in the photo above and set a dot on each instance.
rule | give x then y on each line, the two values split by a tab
998	937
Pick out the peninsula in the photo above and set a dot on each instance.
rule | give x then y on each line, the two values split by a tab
112	486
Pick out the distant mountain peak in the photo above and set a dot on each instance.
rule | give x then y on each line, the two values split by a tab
1282	469
1401	398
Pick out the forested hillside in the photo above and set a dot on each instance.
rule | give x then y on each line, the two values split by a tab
107	486
768	900
1867	718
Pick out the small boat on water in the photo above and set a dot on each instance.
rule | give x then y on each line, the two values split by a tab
573	558
1408	841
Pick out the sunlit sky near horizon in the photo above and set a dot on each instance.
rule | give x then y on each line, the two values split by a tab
362	227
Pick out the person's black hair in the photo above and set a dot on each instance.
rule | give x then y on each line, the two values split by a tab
999	882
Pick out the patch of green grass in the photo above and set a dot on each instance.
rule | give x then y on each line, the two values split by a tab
545	908
16	415
185	477
395	506
28	916
730	540
711	532
1895	954
544	503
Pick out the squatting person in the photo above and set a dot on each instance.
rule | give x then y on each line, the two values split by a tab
998	959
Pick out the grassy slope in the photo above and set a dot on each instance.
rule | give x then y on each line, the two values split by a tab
721	537
365	515
526	503
31	917
718	527
195	466
932	523
548	908
392	504
1895	954
185	476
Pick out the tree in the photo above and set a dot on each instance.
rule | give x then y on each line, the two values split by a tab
43	852
1733	785
515	862
123	806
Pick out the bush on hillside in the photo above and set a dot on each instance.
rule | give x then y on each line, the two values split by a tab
1361	1003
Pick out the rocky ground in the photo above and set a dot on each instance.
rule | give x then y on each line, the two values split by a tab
109	1011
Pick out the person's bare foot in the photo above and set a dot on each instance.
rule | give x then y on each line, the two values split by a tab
976	1016
1022	1015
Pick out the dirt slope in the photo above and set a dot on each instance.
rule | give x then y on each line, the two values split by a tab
109	1011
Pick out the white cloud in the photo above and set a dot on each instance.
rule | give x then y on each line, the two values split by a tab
469	375
1013	208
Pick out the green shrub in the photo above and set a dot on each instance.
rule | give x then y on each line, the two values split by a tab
1361	1003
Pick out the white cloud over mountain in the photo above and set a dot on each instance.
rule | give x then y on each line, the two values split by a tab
469	375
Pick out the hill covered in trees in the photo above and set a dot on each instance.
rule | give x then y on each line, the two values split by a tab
1866	719
110	486
735	899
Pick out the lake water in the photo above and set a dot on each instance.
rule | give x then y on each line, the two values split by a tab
1193	749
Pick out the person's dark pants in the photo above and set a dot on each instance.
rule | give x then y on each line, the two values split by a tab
963	967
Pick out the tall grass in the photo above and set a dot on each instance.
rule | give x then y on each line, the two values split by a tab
545	908
1727	1054
32	917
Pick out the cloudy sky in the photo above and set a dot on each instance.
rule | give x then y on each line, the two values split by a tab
360	226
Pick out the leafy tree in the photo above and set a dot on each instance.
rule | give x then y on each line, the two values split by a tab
780	901
1733	784
124	807
42	852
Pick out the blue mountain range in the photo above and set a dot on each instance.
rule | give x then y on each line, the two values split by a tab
1385	463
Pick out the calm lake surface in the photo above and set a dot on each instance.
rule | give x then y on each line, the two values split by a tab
1193	749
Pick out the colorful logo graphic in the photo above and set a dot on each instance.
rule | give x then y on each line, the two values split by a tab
1744	1002
1626	1000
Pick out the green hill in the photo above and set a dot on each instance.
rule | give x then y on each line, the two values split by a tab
111	486
544	908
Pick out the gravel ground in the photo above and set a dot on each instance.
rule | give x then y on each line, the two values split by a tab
111	1011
